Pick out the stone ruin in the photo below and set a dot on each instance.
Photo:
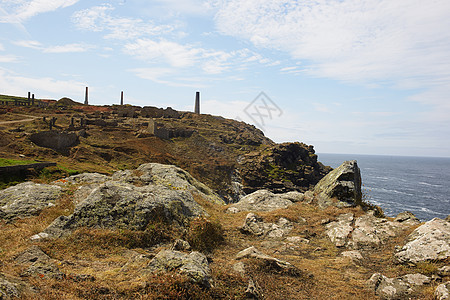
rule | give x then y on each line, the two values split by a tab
55	140
167	133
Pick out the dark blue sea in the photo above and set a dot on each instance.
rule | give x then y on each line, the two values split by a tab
420	185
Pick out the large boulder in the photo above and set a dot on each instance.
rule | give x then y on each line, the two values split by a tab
264	200
27	199
194	265
340	187
169	176
366	231
132	199
429	242
396	288
125	206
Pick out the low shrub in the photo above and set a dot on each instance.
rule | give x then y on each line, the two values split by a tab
204	235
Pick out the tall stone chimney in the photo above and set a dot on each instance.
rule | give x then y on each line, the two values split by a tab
121	98
86	101
197	103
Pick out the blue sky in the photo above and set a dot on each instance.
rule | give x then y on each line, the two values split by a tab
348	76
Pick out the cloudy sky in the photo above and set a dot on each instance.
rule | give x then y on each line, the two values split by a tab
347	76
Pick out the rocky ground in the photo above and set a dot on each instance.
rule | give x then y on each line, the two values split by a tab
156	232
223	213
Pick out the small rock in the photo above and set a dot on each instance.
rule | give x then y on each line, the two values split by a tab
444	271
273	262
239	267
180	245
253	290
407	217
194	265
32	255
442	292
354	255
417	279
43	269
297	240
8	290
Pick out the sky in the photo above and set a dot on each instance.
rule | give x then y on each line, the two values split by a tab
347	76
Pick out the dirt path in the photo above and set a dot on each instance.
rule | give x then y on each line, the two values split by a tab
30	119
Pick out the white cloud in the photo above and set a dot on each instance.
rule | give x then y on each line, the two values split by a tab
349	40
99	19
2	48
68	48
20	10
8	58
14	84
166	76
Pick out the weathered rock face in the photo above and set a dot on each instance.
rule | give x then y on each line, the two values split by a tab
264	200
27	199
125	206
166	175
342	184
132	199
194	265
8	289
431	241
366	231
281	168
255	225
396	288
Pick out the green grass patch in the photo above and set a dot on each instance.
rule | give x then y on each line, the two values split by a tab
11	98
4	162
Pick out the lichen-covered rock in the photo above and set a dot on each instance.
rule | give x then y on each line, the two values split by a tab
84	178
430	241
366	231
8	289
340	187
396	288
125	206
281	168
32	255
255	225
442	292
27	199
264	200
339	231
43	269
194	265
275	263
169	176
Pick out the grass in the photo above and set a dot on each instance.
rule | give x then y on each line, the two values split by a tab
13	162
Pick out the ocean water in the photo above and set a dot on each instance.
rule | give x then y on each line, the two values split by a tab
420	185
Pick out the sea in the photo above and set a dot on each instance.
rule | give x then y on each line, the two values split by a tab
420	185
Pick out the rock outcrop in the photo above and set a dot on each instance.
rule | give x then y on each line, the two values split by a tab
430	241
281	168
27	199
264	200
194	265
366	231
396	288
133	199
340	187
255	225
8	289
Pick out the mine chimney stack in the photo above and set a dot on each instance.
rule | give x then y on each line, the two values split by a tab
86	100
121	98
197	103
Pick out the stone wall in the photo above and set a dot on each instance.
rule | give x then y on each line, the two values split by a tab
54	140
